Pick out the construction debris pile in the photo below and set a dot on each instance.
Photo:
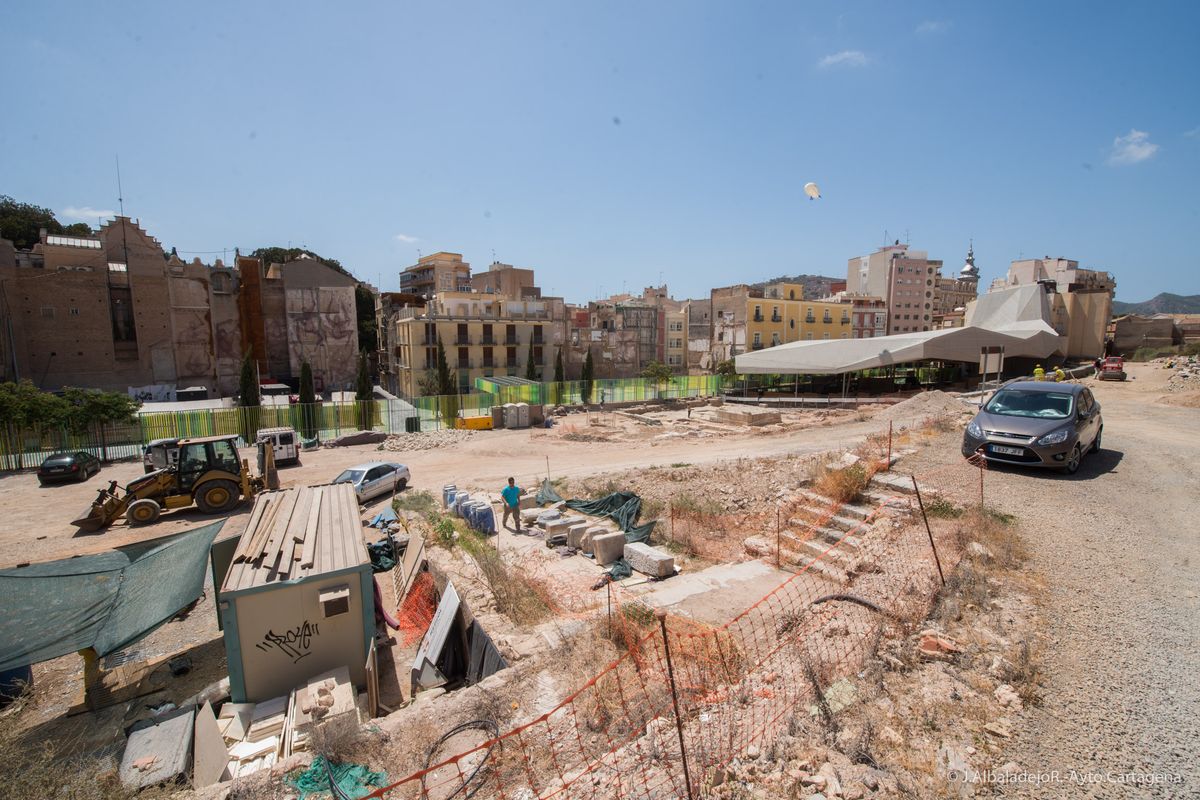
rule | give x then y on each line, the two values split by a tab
426	440
926	405
1186	376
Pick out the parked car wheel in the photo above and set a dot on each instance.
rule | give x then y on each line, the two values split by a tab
401	484
1095	448
1074	459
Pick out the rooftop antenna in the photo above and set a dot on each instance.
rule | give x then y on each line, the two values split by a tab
885	239
120	192
906	235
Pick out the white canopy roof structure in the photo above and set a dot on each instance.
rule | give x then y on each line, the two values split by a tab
1015	319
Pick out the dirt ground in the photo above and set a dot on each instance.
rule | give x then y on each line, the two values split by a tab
37	519
1117	549
1113	546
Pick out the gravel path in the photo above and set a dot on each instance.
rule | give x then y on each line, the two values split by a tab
1117	546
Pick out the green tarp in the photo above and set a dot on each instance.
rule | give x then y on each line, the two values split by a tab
546	494
104	601
623	507
352	780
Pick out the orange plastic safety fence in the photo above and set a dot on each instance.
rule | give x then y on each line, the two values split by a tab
737	684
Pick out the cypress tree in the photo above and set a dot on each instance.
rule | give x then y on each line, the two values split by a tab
585	391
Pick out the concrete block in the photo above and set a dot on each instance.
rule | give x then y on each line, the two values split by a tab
648	560
585	543
608	547
528	516
527	501
575	534
554	526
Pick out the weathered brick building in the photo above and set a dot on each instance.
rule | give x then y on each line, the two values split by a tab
111	311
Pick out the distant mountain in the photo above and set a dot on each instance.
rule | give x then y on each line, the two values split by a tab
1165	303
814	285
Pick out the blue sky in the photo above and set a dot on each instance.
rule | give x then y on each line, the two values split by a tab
604	144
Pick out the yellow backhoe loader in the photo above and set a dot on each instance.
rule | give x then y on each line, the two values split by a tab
209	474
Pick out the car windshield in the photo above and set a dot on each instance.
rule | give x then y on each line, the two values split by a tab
1031	403
350	476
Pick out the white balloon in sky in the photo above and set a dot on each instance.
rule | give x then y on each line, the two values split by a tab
812	191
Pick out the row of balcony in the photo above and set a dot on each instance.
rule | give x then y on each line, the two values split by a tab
807	320
485	341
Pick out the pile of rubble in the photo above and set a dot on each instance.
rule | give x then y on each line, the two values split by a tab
925	405
1186	376
426	440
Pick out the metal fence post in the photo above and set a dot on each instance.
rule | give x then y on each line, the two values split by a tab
888	466
662	622
932	546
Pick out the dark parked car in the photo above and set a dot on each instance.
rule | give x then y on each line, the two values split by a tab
1036	424
68	467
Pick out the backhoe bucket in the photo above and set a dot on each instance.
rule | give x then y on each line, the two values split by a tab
92	519
102	512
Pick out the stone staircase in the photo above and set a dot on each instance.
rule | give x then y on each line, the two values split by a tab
827	537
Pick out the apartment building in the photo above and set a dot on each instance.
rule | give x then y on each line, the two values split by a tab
782	315
698	326
437	272
504	279
483	335
911	285
110	311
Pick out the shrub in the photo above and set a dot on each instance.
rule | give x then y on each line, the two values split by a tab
418	502
844	484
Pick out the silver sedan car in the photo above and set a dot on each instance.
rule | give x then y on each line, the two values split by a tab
1037	424
375	478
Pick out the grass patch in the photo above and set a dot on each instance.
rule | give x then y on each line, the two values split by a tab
520	597
942	508
1024	674
696	506
680	464
1149	353
841	484
652	508
37	769
418	502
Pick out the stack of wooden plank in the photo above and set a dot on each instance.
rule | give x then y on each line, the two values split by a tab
281	540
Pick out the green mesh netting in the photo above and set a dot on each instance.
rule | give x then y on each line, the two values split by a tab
352	780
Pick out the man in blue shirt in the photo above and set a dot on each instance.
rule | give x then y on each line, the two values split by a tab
511	495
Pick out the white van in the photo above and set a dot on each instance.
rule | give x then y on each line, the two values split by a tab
160	454
285	441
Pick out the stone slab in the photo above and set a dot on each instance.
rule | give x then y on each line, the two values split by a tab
585	543
608	547
575	534
649	560
159	752
554	526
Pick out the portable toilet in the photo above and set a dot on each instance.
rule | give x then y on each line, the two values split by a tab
298	599
522	415
511	418
497	417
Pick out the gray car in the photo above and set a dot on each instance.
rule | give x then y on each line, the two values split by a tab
375	478
1036	424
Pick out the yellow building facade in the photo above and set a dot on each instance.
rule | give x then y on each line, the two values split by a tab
782	316
484	336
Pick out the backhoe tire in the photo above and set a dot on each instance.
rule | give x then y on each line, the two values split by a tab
143	512
218	497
